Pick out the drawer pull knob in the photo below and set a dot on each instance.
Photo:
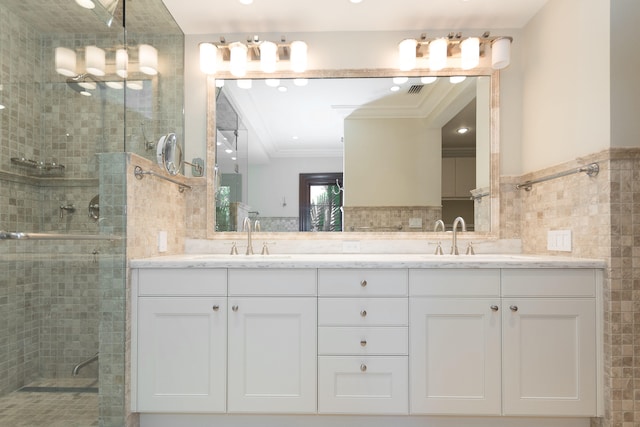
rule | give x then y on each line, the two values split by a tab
234	308
513	307
363	343
363	283
363	313
494	308
216	307
363	368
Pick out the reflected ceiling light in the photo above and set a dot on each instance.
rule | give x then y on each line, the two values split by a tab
400	80
462	130
427	80
272	82
148	59
65	61
457	79
407	53
355	1
1	104
282	89
268	56
395	88
219	82
85	93
87	4
94	59
438	54
300	82
115	85
122	62
208	58
246	1
298	56
135	85
228	150
88	85
470	50
501	53
470	53
238	61
244	83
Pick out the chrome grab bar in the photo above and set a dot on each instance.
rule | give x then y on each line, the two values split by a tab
139	174
591	170
7	235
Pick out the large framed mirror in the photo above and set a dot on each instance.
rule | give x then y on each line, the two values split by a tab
406	153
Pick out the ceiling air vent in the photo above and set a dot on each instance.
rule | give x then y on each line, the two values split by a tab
415	89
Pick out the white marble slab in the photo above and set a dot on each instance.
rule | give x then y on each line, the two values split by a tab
364	261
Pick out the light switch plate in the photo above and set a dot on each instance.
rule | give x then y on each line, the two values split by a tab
559	240
162	241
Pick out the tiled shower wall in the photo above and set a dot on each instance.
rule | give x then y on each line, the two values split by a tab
602	213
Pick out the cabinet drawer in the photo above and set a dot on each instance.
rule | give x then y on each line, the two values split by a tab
363	385
181	281
362	282
363	341
261	281
460	282
543	282
362	311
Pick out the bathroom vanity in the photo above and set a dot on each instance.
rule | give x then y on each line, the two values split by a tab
416	338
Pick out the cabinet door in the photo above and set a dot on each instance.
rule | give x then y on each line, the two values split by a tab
272	355
454	356
549	357
181	354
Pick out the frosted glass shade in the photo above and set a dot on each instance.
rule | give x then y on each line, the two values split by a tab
148	59
238	66
407	54
122	62
208	58
500	53
65	61
87	4
94	58
470	50
268	56
298	57
438	54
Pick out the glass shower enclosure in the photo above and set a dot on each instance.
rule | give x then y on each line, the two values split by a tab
74	99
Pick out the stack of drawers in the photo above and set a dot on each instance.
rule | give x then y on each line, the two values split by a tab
362	341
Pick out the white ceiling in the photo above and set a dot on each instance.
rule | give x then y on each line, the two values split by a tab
230	16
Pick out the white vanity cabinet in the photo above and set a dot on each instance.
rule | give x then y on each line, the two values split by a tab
514	342
455	341
362	341
180	344
272	341
549	345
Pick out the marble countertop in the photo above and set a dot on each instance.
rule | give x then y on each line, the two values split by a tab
364	261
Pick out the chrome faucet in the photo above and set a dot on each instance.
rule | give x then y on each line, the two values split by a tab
454	242
439	224
246	226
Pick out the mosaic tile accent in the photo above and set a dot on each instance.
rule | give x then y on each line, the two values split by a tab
394	218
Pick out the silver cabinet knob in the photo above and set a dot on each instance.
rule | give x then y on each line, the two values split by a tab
494	308
234	308
216	307
363	368
363	283
363	313
513	307
363	343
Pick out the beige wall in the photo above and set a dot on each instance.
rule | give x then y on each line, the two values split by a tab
392	162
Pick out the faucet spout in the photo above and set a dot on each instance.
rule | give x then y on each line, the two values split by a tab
454	242
246	226
439	224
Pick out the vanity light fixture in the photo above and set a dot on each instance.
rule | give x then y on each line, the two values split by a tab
122	62
469	50
65	61
148	59
94	58
239	55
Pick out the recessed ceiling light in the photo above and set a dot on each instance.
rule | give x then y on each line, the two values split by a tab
355	1
462	130
282	88
395	88
246	1
228	151
294	137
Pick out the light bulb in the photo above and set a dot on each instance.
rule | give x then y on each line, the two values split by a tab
208	58
65	61
470	51
438	54
407	54
501	53
298	57
94	58
238	66
268	56
148	59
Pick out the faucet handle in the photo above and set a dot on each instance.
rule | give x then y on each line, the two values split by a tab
265	249
234	249
439	250
470	250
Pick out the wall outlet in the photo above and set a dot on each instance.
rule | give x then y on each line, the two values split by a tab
559	240
351	247
162	241
415	222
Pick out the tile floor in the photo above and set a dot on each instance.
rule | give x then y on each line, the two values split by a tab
71	402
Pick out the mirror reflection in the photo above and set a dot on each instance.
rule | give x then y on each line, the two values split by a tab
353	154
